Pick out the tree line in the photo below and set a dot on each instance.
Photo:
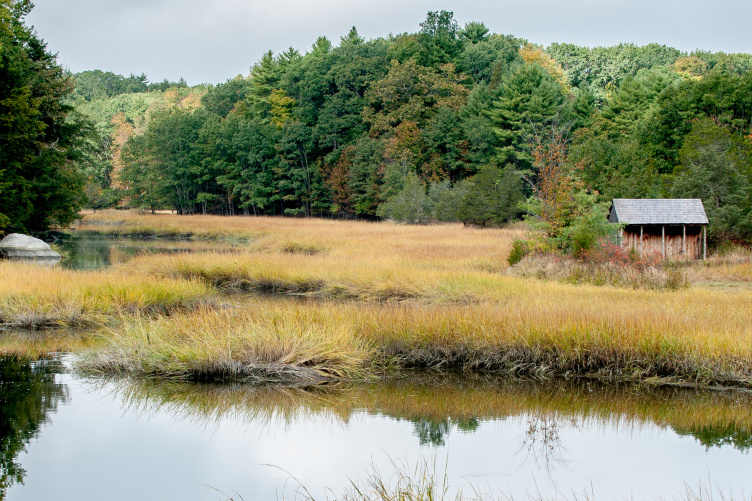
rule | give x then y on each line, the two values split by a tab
440	124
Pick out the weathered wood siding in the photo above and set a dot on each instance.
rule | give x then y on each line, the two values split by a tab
652	243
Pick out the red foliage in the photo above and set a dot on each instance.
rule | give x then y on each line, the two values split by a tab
607	252
338	180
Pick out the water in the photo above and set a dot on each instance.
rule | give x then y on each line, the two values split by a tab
65	437
91	252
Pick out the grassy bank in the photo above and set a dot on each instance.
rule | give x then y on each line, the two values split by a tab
731	270
692	337
142	225
387	297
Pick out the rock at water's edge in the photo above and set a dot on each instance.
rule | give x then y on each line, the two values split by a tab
23	247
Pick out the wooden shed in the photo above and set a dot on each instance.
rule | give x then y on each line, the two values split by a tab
673	228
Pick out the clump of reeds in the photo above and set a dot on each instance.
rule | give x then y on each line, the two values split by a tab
425	481
422	482
256	344
307	248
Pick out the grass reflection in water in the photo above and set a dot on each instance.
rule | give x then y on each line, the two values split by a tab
439	404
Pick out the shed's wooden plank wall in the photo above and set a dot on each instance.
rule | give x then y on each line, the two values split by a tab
652	244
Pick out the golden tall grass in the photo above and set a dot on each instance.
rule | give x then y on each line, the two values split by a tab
361	240
371	245
37	296
545	330
388	296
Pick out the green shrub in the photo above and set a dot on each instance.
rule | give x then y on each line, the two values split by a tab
520	249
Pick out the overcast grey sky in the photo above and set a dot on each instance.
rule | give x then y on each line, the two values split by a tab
214	40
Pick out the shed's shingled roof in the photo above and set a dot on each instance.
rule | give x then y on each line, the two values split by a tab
658	211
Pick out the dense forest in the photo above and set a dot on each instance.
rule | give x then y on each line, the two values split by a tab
447	124
43	141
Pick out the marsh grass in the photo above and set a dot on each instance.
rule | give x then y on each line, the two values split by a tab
726	265
32	296
655	276
387	297
354	260
139	224
258	343
613	266
404	248
654	339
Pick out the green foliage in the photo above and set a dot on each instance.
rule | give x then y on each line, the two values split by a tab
41	137
565	215
493	196
622	112
365	176
732	64
635	148
163	167
577	229
221	99
411	93
716	166
589	224
520	249
438	38
263	80
97	84
490	57
444	200
527	97
618	168
410	205
603	69
340	130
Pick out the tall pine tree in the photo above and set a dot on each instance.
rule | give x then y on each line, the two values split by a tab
40	135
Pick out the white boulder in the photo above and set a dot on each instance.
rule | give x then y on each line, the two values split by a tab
23	247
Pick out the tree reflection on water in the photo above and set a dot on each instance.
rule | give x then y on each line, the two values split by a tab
28	395
431	431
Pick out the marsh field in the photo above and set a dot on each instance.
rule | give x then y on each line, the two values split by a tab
387	344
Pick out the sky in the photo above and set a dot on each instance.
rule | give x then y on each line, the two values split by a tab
211	41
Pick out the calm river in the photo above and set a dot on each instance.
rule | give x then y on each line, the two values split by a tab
92	252
65	437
